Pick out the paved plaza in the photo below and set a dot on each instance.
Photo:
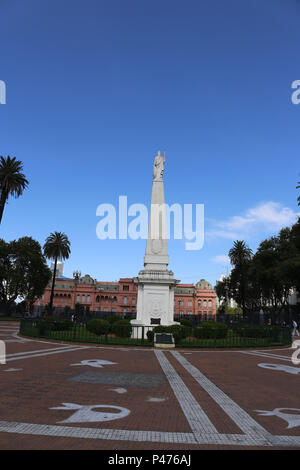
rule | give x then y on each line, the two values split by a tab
69	396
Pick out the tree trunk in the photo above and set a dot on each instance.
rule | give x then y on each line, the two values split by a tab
52	288
3	199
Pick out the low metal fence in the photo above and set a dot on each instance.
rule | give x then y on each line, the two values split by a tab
185	337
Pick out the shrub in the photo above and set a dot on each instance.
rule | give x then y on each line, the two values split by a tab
122	328
113	319
150	335
42	327
53	324
249	331
185	322
97	326
211	330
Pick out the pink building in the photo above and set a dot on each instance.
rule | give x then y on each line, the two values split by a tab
121	297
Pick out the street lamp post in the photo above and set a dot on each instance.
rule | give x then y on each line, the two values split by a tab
76	277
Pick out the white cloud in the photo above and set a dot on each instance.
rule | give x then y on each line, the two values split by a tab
222	259
267	217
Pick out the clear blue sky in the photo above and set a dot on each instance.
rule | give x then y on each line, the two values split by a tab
96	87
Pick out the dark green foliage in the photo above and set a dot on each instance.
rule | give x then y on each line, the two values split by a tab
12	180
24	273
113	319
122	328
97	326
185	322
44	326
150	335
248	331
211	330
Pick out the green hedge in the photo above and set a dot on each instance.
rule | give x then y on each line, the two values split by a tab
211	330
97	326
248	331
53	324
122	328
185	322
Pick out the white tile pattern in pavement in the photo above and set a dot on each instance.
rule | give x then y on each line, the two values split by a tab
203	431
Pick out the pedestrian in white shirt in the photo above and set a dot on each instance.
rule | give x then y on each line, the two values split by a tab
295	330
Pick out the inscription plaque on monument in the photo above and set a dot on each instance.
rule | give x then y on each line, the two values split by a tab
164	340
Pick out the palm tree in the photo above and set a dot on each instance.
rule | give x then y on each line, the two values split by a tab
12	180
240	256
56	247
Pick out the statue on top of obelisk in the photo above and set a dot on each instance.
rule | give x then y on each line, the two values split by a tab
158	167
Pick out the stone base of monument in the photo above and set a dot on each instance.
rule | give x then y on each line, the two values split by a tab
164	340
140	330
155	302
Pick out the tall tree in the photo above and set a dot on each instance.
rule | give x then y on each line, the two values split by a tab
56	247
24	273
240	257
298	198
273	270
12	180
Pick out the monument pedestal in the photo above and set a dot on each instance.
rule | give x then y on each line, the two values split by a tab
155	302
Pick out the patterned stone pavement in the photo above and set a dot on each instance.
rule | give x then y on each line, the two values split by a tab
69	396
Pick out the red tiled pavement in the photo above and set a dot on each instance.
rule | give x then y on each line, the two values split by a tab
42	382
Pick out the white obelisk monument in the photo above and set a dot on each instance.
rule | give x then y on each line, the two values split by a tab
156	284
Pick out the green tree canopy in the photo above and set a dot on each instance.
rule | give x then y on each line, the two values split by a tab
24	273
12	180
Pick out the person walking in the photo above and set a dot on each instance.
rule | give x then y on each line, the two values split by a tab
295	330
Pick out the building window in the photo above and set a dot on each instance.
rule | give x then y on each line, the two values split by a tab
125	300
190	303
199	303
126	288
133	301
210	303
78	299
204	303
115	300
98	298
83	299
106	300
88	299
